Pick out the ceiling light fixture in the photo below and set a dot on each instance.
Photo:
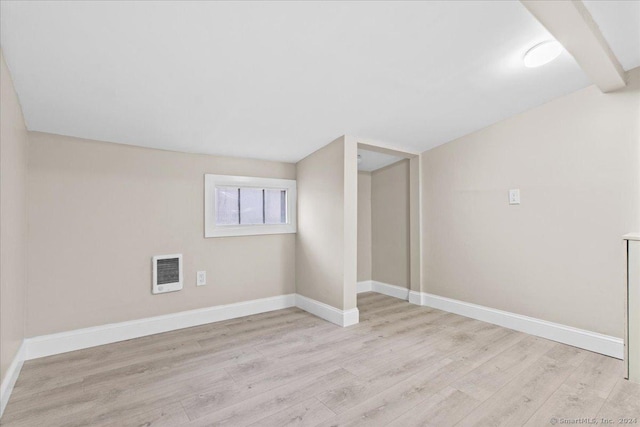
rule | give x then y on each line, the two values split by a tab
542	53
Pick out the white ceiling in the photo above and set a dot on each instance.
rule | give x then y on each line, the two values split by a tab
278	80
372	160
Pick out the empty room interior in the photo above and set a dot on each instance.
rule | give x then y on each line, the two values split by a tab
310	213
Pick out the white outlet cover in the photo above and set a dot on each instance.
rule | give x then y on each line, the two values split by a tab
201	278
514	196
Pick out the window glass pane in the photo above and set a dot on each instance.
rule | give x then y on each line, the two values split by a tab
251	206
227	206
275	206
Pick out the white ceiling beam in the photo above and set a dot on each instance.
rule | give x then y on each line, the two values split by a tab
385	148
571	24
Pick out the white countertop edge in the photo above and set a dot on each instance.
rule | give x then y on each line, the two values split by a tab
631	236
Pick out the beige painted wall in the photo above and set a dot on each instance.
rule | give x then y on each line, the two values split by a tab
319	240
98	212
559	255
390	224
13	224
364	226
326	242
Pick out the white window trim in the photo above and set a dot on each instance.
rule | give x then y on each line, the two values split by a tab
213	230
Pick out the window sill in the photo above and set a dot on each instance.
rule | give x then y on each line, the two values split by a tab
250	231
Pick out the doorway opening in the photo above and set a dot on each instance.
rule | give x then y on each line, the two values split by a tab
388	253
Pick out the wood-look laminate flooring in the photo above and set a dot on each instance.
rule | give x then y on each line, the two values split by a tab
403	365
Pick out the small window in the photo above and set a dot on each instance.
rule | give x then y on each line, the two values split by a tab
241	206
250	206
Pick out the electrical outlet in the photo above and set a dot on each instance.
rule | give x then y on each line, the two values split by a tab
201	279
514	196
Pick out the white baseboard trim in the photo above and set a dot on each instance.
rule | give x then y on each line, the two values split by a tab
364	286
47	345
390	290
592	341
325	311
415	298
383	288
63	342
11	377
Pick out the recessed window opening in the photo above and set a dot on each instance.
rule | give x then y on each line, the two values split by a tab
240	205
251	206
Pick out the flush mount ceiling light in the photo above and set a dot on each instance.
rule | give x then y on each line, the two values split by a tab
542	53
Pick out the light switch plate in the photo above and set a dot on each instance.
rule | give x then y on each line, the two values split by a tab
201	278
514	196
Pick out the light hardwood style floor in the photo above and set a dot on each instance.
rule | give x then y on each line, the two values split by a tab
403	365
